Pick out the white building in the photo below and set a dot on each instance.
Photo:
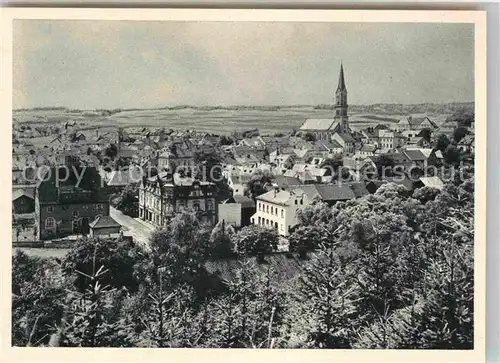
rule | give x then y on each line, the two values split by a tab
278	209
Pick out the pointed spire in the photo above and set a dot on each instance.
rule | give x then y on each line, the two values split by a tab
341	78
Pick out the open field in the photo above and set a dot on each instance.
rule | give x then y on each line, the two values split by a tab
222	121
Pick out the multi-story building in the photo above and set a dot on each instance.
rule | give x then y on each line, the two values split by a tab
166	194
179	154
415	123
67	200
389	140
278	208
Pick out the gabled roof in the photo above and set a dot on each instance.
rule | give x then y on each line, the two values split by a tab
104	222
415	155
404	181
22	192
329	192
369	148
432	182
283	181
319	124
358	188
241	199
329	144
345	136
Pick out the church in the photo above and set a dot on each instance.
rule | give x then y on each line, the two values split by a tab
338	127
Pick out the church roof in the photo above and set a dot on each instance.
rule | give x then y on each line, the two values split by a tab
319	124
341	79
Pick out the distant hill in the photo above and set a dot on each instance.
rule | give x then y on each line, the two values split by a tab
378	108
401	109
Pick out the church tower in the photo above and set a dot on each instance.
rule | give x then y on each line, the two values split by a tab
340	104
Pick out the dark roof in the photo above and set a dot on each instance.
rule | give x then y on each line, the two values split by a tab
86	190
286	181
104	222
241	199
415	155
341	85
330	192
346	137
359	189
405	181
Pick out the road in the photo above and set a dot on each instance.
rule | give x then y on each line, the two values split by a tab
139	230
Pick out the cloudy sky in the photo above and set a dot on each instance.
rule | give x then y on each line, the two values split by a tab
118	64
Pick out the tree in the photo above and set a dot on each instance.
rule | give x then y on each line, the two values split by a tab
452	155
385	164
37	292
442	142
258	180
326	294
463	117
333	164
221	244
426	134
127	200
308	136
313	228
459	133
425	194
120	255
89	320
256	240
111	151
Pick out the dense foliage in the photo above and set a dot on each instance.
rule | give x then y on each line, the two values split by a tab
384	271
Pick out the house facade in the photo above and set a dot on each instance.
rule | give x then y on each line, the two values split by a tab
65	207
278	209
166	194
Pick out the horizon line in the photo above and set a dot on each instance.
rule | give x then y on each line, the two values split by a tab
182	106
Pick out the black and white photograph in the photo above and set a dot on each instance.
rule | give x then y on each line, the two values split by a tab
244	184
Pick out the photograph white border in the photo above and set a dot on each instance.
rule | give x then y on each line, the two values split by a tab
21	354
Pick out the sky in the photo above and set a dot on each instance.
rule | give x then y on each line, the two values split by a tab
133	64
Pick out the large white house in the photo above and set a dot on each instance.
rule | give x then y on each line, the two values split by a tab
278	209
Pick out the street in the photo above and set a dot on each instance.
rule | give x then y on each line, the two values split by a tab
140	231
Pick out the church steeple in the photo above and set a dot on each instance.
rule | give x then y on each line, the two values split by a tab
341	102
341	85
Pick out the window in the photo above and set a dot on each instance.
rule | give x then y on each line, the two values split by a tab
50	222
75	213
267	208
210	205
99	206
301	201
295	201
260	206
50	209
282	213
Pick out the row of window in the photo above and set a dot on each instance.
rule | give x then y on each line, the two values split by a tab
273	210
51	222
269	223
